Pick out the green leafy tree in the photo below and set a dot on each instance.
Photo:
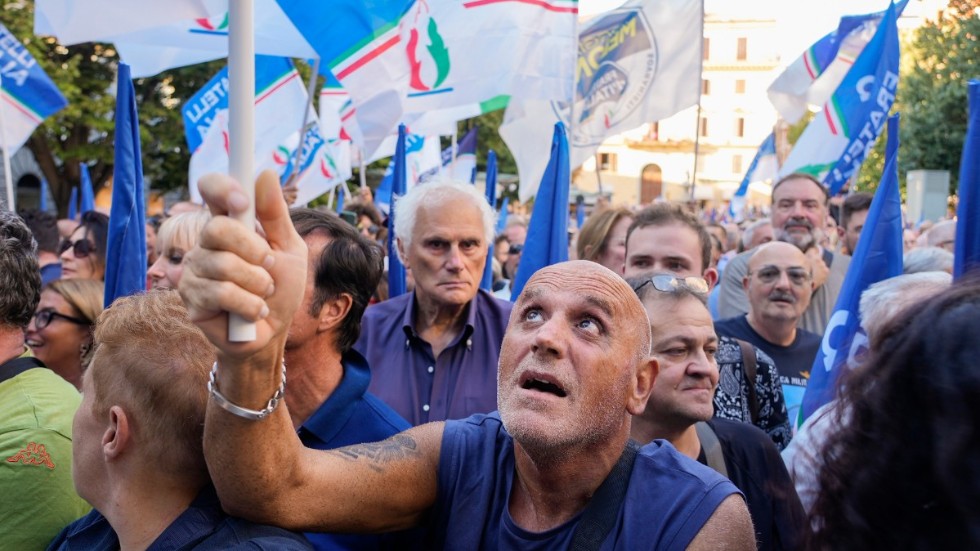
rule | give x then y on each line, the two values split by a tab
943	56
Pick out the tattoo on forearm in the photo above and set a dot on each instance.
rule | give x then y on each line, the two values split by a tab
399	446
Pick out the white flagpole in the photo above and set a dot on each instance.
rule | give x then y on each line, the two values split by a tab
8	178
697	124
241	125
452	164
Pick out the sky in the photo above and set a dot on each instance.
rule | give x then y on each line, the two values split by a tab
800	25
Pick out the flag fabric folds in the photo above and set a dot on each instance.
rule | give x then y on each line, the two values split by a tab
88	193
73	204
763	167
491	191
125	272
77	21
878	256
279	102
323	164
396	270
502	216
636	64
813	77
421	156
464	165
547	232
967	244
400	59
190	41
27	95
835	143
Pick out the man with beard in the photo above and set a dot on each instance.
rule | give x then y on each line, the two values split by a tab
779	284
574	366
799	210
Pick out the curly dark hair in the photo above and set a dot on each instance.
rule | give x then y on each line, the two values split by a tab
904	470
20	276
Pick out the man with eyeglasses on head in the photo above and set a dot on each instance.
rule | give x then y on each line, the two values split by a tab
779	285
668	239
680	409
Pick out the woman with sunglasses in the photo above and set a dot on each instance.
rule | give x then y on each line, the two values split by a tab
60	334
83	254
177	235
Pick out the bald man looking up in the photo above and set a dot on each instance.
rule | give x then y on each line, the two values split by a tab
574	366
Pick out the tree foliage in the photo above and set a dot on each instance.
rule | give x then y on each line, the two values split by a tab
943	56
83	131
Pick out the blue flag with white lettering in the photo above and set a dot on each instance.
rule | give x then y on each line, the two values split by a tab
878	256
125	270
967	245
487	282
28	95
837	140
396	270
547	233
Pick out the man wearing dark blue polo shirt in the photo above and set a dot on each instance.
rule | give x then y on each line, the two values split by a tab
328	380
433	352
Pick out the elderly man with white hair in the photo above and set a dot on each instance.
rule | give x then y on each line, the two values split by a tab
880	304
433	352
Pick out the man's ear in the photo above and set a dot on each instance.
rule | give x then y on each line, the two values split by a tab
333	311
646	374
402	253
711	276
745	283
118	435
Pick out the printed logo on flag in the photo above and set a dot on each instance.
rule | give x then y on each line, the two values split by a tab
214	25
617	63
428	55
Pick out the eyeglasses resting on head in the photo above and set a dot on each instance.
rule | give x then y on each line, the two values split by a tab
667	283
81	248
42	318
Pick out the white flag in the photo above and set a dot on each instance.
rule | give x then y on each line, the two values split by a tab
636	64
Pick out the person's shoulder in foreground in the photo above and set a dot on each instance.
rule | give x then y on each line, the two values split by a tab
472	511
203	526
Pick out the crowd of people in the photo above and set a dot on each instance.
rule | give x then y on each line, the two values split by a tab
644	395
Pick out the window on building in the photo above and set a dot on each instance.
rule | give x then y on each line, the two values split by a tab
704	127
740	86
705	87
740	127
706	48
607	162
743	46
737	164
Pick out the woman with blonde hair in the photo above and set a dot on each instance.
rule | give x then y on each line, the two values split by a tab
602	238
60	334
177	235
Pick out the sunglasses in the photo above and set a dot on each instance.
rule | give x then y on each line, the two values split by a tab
770	274
81	248
516	249
42	318
666	283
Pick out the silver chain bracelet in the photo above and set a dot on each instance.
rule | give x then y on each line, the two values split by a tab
246	413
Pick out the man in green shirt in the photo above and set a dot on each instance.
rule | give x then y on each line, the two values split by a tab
37	405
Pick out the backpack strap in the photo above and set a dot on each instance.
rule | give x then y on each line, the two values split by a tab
711	447
601	512
750	367
16	366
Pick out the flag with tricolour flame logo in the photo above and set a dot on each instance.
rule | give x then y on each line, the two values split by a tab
27	95
322	164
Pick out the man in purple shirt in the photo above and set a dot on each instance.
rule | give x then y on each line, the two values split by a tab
433	352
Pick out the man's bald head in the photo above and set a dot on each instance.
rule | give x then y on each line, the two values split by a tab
776	250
